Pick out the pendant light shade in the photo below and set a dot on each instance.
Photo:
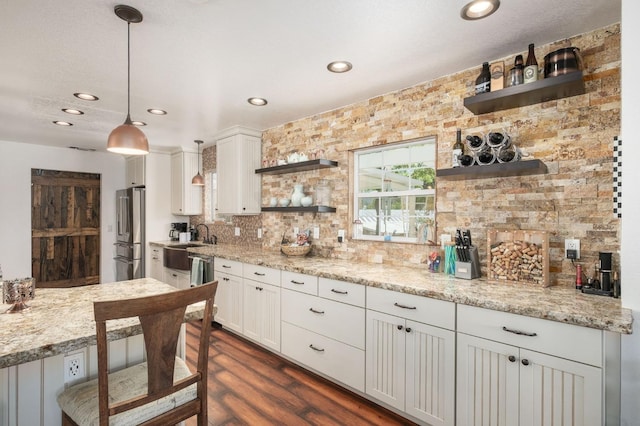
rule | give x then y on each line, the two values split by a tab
128	139
198	179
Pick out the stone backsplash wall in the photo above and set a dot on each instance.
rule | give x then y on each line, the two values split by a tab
572	136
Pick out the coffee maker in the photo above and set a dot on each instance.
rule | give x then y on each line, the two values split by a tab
176	229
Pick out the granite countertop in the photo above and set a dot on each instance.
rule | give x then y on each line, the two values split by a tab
560	304
61	320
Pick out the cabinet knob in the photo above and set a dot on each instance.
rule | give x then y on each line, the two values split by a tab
525	362
400	327
259	288
408	329
512	358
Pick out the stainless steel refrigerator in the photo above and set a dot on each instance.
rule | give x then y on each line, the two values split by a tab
129	234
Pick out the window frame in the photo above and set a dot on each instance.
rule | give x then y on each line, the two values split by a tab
357	234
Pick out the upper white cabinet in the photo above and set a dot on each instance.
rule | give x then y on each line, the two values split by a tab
239	187
186	199
135	171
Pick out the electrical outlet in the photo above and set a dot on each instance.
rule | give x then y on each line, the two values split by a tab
316	232
296	230
572	249
237	231
74	367
340	235
259	232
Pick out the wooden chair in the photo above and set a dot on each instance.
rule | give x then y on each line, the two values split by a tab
160	391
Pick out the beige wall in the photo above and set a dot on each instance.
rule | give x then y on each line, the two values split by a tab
572	136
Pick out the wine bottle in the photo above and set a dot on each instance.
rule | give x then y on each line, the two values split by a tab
531	66
483	82
466	160
474	142
457	149
485	156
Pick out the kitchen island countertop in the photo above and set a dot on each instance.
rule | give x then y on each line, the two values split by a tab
560	304
61	319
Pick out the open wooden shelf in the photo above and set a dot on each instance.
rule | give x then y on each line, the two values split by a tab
548	89
517	168
310	209
298	167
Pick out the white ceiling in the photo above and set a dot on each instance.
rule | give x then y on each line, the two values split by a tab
201	59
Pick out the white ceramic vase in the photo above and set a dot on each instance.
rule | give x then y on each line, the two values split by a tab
296	195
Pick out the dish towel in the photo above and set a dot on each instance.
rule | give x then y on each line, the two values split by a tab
196	272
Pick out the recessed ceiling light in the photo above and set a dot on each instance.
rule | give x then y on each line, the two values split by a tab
62	123
86	96
156	111
478	9
339	66
138	123
72	111
257	101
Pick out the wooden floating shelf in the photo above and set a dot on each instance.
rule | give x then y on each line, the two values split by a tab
547	89
518	168
298	167
310	209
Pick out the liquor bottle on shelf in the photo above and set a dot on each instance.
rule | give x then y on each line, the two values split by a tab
458	148
483	82
516	74
531	66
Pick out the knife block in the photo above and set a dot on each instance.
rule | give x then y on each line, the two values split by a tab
469	270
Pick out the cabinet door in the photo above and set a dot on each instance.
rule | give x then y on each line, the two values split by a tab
556	391
229	299
270	307
487	382
251	310
186	199
385	355
157	269
135	171
239	187
227	182
430	372
171	277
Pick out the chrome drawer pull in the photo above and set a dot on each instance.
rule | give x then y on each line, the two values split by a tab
259	288
316	312
258	274
316	349
226	266
403	306
339	292
297	282
519	333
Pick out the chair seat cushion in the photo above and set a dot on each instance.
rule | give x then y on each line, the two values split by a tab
80	401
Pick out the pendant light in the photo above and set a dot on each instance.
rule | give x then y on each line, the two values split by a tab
128	139
198	179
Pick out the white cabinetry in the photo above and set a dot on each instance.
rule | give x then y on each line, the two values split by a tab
177	278
518	370
229	296
186	199
135	171
157	268
323	333
261	310
410	351
239	187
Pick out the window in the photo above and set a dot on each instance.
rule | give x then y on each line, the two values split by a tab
394	192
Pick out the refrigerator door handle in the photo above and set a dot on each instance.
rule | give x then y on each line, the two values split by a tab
123	259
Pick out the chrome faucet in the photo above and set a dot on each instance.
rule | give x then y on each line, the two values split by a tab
207	239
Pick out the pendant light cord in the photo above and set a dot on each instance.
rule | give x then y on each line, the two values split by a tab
128	71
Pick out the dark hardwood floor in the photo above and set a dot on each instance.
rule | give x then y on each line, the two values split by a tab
249	385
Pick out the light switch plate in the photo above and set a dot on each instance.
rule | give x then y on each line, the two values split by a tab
316	232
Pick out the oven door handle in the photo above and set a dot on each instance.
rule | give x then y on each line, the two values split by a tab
203	259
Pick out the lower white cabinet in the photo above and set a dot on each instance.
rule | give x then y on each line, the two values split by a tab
323	333
261	311
410	364
504	382
229	296
177	278
157	267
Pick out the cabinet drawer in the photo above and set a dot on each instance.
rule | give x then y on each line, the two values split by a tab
342	291
564	340
300	282
434	312
231	267
261	274
335	320
337	360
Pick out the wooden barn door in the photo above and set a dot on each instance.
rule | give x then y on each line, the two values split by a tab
65	228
